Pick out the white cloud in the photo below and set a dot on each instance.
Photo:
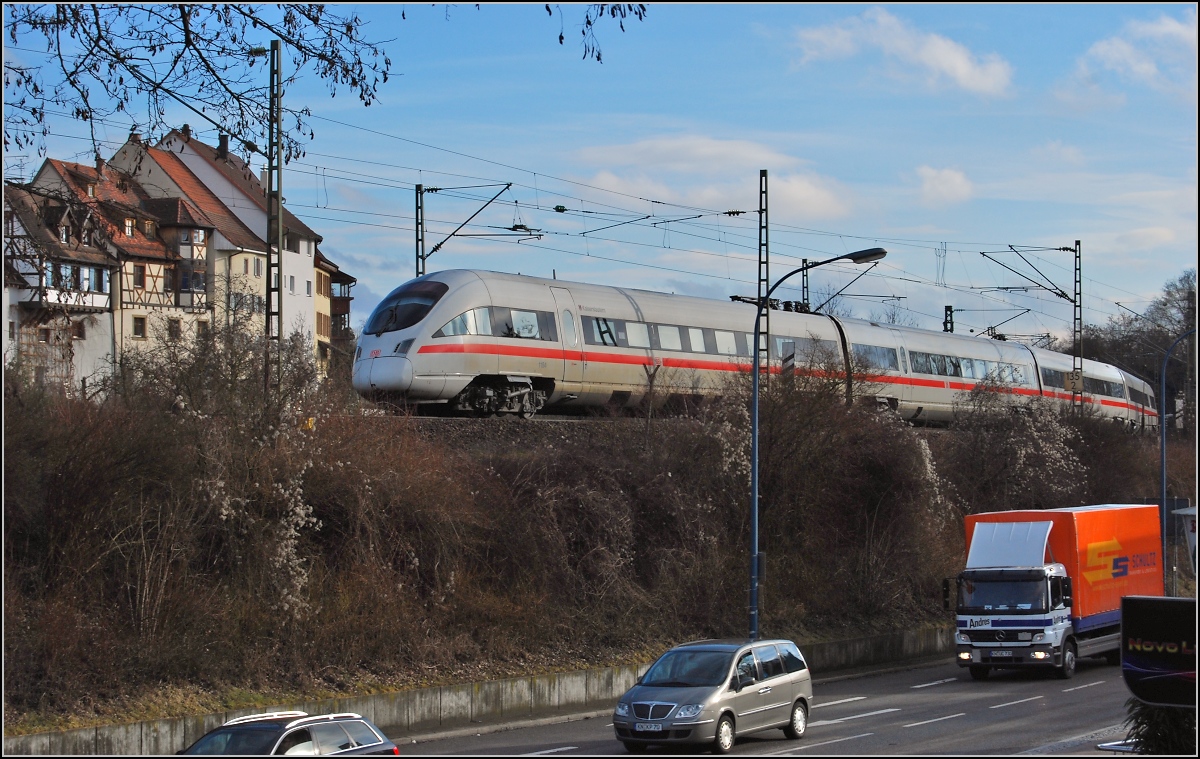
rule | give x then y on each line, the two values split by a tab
1146	238
938	58
688	154
943	187
1059	152
1159	54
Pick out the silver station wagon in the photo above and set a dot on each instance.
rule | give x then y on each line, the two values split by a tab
713	691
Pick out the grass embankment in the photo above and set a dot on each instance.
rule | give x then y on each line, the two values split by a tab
161	562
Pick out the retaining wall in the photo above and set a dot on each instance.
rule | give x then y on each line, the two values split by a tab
407	713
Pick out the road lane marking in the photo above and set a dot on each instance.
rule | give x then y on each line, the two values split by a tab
552	751
1081	687
1010	703
937	682
847	719
835	703
939	719
815	745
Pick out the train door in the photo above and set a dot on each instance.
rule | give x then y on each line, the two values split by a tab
899	390
571	334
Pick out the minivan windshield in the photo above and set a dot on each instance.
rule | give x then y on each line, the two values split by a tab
404	306
686	669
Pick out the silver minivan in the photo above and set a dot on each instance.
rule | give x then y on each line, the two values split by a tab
712	691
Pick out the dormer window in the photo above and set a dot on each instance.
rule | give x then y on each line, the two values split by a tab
63	235
129	227
85	236
91	190
148	228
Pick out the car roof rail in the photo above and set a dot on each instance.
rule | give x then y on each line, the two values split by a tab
268	715
310	719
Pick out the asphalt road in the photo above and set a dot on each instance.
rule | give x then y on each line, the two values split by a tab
931	708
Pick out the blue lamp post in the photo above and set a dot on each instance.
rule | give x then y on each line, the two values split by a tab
1162	428
858	257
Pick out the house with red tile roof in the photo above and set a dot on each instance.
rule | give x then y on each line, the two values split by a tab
58	276
230	192
157	293
233	255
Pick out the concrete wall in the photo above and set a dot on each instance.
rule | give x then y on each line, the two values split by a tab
412	712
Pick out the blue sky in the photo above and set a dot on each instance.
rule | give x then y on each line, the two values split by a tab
912	127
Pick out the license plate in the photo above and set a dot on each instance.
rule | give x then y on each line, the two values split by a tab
1003	652
651	727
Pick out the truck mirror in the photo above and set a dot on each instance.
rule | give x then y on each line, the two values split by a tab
946	594
1066	591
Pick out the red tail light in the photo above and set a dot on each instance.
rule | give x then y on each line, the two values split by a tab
396	750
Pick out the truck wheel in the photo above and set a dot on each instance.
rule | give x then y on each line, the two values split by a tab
1067	670
979	673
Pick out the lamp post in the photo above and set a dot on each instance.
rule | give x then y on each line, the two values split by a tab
858	257
1162	428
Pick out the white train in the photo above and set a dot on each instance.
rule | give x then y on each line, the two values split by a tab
482	343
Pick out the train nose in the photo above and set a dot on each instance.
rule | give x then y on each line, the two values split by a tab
391	374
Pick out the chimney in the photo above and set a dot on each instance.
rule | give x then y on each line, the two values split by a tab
187	132
99	165
135	137
222	146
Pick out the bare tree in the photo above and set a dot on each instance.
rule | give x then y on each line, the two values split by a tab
104	59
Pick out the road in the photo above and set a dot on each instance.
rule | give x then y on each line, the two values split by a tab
930	709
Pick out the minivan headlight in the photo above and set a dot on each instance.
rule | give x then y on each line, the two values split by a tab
622	710
689	710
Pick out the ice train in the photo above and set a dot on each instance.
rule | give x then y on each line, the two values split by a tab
483	343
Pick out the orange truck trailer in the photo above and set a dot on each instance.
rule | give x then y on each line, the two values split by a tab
1042	588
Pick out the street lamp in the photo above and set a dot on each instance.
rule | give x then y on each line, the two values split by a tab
1162	428
857	257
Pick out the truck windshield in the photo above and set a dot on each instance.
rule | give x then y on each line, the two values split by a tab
1002	595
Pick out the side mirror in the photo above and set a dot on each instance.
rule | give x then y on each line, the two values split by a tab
1068	596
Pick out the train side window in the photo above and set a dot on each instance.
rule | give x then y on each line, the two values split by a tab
668	338
744	341
968	368
920	362
599	331
982	368
696	339
525	324
726	343
877	357
637	334
546	326
953	367
463	324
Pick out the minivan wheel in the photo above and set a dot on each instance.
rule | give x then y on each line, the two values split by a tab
799	723
723	743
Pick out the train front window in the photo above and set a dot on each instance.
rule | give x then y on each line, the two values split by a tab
405	306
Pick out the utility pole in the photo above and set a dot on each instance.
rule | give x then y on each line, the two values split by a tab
1077	393
764	276
420	227
274	305
804	307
